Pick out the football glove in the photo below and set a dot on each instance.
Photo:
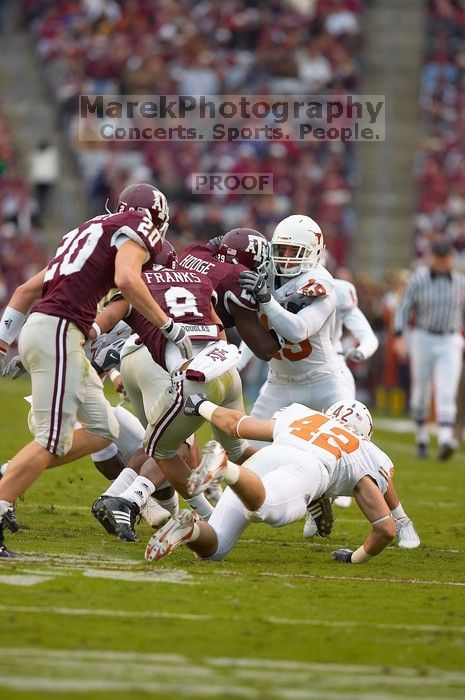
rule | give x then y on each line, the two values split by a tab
343	555
215	242
106	359
354	355
256	285
176	333
14	368
192	404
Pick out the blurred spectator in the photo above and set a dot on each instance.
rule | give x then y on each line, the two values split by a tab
44	172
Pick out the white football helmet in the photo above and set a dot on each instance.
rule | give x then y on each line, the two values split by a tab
354	414
296	245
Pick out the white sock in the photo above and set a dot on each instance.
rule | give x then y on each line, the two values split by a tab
232	473
3	468
4	507
122	481
444	434
138	492
171	504
200	505
421	433
398	513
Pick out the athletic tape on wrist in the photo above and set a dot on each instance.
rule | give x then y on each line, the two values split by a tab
97	329
10	325
238	424
114	374
206	409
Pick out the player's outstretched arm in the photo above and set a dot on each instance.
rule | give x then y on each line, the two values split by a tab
108	317
371	502
15	313
233	423
357	323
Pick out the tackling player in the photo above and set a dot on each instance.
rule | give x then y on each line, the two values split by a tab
312	453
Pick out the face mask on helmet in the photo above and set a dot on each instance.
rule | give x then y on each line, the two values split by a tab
296	246
247	247
355	415
145	197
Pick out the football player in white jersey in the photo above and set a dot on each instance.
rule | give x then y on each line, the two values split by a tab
311	454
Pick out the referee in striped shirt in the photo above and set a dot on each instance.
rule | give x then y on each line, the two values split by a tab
435	297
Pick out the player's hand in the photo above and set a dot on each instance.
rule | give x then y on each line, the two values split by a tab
176	333
343	555
215	242
256	285
106	359
193	403
354	355
14	368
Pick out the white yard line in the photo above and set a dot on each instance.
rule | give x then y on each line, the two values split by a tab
161	614
86	671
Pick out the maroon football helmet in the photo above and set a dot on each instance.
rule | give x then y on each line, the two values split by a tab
146	198
247	247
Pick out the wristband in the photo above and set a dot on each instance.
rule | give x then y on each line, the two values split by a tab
238	424
360	556
206	409
11	324
97	329
114	374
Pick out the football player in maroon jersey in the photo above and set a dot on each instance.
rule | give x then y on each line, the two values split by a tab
187	296
223	259
102	253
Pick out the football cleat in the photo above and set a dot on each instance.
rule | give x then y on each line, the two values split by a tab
5	553
213	493
10	520
119	515
154	514
211	468
407	535
445	452
422	450
310	528
322	514
343	501
176	532
100	515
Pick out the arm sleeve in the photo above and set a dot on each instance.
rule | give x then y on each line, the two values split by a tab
356	322
308	321
405	304
246	356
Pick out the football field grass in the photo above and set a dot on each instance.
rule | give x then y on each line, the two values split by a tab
84	616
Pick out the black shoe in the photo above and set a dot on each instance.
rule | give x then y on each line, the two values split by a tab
422	450
5	553
10	520
101	515
322	513
119	515
445	452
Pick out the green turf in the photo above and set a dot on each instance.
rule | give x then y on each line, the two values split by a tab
277	619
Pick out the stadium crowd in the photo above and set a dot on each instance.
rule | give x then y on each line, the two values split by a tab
440	177
240	47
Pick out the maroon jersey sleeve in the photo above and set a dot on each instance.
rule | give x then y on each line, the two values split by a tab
82	271
224	277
